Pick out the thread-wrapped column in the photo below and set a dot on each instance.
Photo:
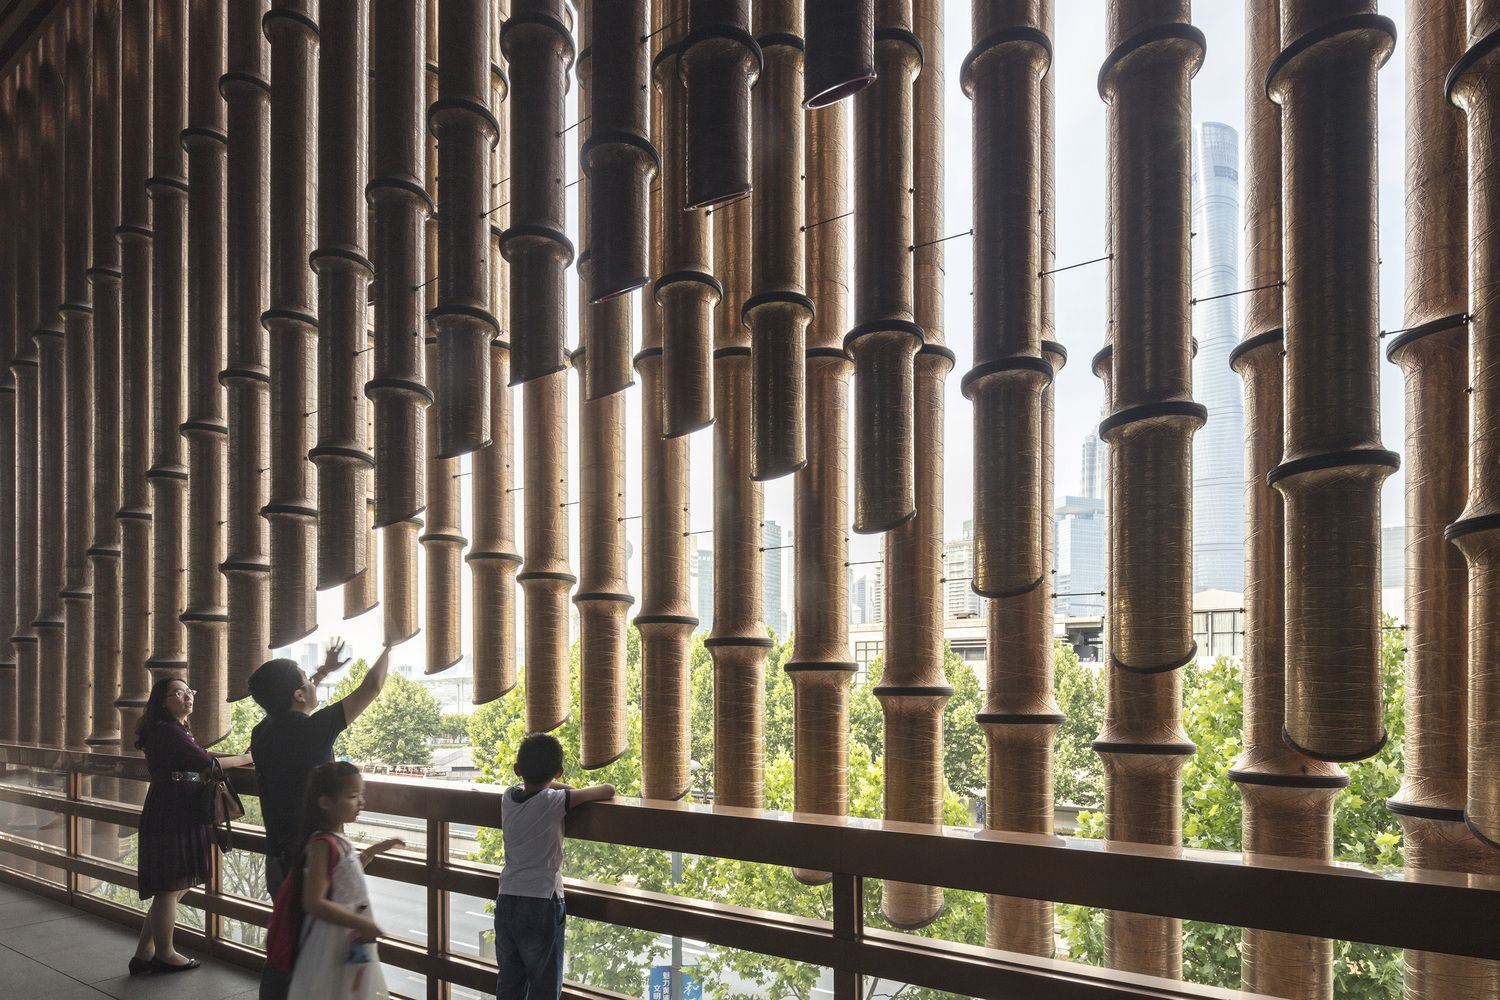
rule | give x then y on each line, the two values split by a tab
1474	85
840	51
1145	81
821	664
778	309
10	183
78	379
493	559
136	236
1002	74
1287	799
23	366
545	577
246	378
465	129
48	333
885	337
539	47
362	594
291	322
719	63
1333	464
685	287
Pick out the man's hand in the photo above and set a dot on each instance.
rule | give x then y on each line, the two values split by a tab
331	661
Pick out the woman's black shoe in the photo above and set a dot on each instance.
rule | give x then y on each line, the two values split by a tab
140	966
157	965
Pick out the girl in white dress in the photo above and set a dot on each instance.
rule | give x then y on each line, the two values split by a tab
337	957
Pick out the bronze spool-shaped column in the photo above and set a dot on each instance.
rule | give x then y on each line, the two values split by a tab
1434	356
291	322
207	428
342	455
685	287
1333	465
821	664
719	62
104	277
1287	799
51	407
10	182
545	577
1474	85
738	641
885	338
362	594
840	51
619	159
1002	74
539	48
666	620
465	129
78	379
778	309
247	563
136	236
24	364
913	689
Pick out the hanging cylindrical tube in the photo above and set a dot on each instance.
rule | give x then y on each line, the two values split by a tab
1333	463
291	321
1474	85
618	157
247	562
545	578
666	620
136	236
24	366
342	455
685	287
1287	799
10	184
840	51
885	337
362	593
778	309
78	380
465	129
1145	83
821	664
738	640
719	62
1002	74
52	392
539	48
912	689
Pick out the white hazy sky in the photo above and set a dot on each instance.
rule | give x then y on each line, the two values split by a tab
1218	95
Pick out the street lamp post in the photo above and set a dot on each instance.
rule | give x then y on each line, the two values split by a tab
676	972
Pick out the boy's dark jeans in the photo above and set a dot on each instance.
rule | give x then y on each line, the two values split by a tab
529	947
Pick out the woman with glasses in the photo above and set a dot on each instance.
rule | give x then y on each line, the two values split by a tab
174	849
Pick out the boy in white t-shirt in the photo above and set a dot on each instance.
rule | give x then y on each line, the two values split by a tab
529	913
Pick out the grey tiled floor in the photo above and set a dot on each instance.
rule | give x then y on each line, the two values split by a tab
49	951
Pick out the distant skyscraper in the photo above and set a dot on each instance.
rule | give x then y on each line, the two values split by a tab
1219	447
1080	542
705	590
771	578
1094	479
867	598
958	575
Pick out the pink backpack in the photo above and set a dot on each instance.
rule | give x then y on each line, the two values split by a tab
284	932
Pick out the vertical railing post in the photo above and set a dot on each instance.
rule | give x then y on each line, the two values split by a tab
75	834
848	925
437	905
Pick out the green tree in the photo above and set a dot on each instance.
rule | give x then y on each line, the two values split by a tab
1078	772
454	727
397	729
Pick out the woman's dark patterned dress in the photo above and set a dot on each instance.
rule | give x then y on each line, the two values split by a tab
175	851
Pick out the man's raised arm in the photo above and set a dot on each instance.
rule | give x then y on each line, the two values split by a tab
356	701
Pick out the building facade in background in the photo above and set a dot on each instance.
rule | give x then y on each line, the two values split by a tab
1093	478
1219	446
867	597
702	587
958	578
1080	540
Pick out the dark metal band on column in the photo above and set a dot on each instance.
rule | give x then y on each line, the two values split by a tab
1474	85
78	379
247	561
1145	83
666	620
539	48
10	208
1333	465
685	288
821	663
619	160
719	62
291	322
135	236
1002	74
545	577
465	128
778	310
104	278
207	427
52	394
342	455
1287	799
738	641
840	51
885	338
